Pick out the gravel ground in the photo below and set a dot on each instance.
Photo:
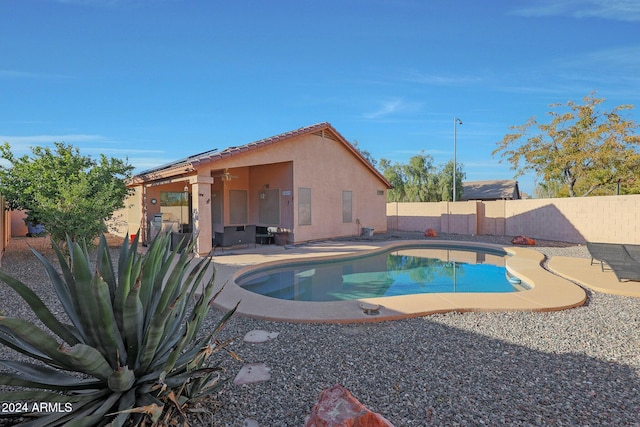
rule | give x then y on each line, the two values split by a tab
578	367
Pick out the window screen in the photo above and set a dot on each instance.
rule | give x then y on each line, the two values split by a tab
304	206
269	207
238	206
347	206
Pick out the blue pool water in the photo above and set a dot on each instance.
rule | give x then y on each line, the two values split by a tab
404	271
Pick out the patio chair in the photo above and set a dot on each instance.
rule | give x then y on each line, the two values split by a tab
634	251
624	266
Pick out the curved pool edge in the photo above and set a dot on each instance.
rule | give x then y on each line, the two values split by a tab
548	293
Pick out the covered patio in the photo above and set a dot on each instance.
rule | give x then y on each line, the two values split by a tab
302	185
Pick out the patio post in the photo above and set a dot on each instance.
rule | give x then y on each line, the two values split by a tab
201	213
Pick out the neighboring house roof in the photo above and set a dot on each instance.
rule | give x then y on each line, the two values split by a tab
491	190
189	164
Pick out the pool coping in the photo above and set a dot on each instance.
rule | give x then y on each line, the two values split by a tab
549	292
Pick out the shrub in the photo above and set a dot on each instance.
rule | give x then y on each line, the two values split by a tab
131	353
69	193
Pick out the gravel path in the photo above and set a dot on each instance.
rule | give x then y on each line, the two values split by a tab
574	367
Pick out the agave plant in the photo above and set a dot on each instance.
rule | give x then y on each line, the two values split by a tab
131	350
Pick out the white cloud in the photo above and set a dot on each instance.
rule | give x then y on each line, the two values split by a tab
22	143
439	80
92	145
619	10
392	107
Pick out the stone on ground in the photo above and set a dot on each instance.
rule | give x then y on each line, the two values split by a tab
253	373
338	408
259	336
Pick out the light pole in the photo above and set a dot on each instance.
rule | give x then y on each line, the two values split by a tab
456	121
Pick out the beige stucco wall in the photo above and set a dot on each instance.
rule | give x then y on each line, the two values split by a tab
328	169
128	219
614	219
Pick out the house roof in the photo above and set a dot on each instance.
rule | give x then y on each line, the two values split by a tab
491	190
190	163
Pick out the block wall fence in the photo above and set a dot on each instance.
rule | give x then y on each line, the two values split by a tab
612	219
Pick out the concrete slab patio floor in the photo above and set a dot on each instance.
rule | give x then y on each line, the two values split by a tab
592	276
549	291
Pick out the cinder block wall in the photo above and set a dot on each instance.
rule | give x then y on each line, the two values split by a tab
614	219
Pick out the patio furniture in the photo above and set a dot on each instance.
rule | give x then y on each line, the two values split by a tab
617	257
264	235
235	235
634	251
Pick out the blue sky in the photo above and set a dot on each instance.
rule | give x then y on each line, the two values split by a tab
158	80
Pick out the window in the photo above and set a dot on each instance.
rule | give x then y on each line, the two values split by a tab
304	206
347	206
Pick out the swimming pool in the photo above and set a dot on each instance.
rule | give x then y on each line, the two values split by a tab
398	271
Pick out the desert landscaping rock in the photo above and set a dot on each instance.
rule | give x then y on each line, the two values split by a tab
253	373
337	407
578	367
259	336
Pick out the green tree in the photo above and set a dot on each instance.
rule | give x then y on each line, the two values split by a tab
420	180
582	147
365	153
68	193
395	175
445	182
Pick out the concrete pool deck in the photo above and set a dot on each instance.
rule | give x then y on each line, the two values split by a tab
550	292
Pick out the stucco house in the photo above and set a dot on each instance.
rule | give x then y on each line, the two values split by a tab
311	183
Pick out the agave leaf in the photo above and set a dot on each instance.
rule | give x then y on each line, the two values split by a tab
208	389
25	332
92	412
104	319
78	409
174	282
173	332
186	356
104	265
88	297
129	275
128	400
174	381
123	256
78	282
51	419
17	380
197	316
132	321
63	290
80	266
45	376
39	309
87	359
153	410
122	379
44	396
180	356
152	339
7	338
152	263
